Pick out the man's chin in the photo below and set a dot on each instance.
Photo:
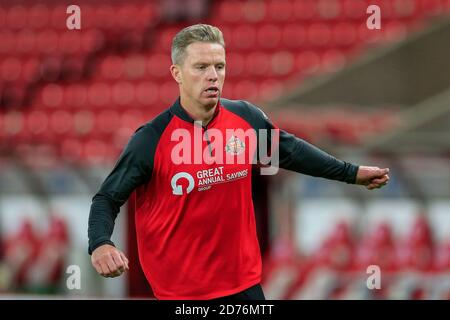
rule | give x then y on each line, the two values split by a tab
210	102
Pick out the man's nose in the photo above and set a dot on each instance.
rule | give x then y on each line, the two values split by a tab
212	74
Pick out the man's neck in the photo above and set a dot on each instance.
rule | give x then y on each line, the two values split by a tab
198	112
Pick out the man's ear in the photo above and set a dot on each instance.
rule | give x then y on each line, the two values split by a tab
176	73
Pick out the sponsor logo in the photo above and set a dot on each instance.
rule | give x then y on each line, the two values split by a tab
178	189
205	179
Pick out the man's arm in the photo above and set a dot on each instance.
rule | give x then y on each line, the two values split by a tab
133	168
298	155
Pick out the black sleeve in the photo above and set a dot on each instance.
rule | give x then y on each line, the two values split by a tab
133	168
297	155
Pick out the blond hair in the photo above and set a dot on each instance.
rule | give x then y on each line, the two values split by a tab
191	34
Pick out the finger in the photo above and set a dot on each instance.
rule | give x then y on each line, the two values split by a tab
383	171
381	180
375	186
105	269
114	269
125	260
118	261
98	268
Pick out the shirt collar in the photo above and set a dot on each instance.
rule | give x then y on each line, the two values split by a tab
178	110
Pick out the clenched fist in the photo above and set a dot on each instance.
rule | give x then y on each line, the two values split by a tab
109	261
372	177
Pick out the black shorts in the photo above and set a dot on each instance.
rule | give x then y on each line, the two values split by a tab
252	293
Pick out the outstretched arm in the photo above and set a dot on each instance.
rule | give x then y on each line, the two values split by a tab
298	155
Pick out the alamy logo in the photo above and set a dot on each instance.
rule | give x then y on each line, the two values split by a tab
178	189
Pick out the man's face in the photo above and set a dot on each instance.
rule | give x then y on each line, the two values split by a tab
202	73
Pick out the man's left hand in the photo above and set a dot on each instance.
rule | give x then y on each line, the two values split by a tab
372	177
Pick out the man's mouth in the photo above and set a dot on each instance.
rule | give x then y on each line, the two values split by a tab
212	91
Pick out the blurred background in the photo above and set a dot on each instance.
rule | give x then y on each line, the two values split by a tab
70	100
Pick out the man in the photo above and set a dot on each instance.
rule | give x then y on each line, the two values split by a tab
195	222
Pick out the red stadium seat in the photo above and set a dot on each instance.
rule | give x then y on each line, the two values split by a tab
343	34
70	150
354	9
243	37
305	9
69	42
394	31
163	41
404	8
10	69
60	122
293	35
111	67
58	17
230	11
168	91
319	34
307	62
332	60
253	11
106	17
379	248
235	64
83	123
94	152
158	65
25	41
107	121
38	16
279	10
13	124
52	95
418	249
282	63
329	9
269	89
246	89
8	43
123	93
146	93
37	121
132	120
269	36
3	15
99	94
75	95
257	64
134	67
16	17
47	41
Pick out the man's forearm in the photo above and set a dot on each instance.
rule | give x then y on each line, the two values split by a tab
301	156
101	221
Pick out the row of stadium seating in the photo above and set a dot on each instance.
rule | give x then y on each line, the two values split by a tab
286	10
32	261
128	16
342	261
98	135
104	16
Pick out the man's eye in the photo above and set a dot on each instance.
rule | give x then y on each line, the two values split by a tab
201	67
220	67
